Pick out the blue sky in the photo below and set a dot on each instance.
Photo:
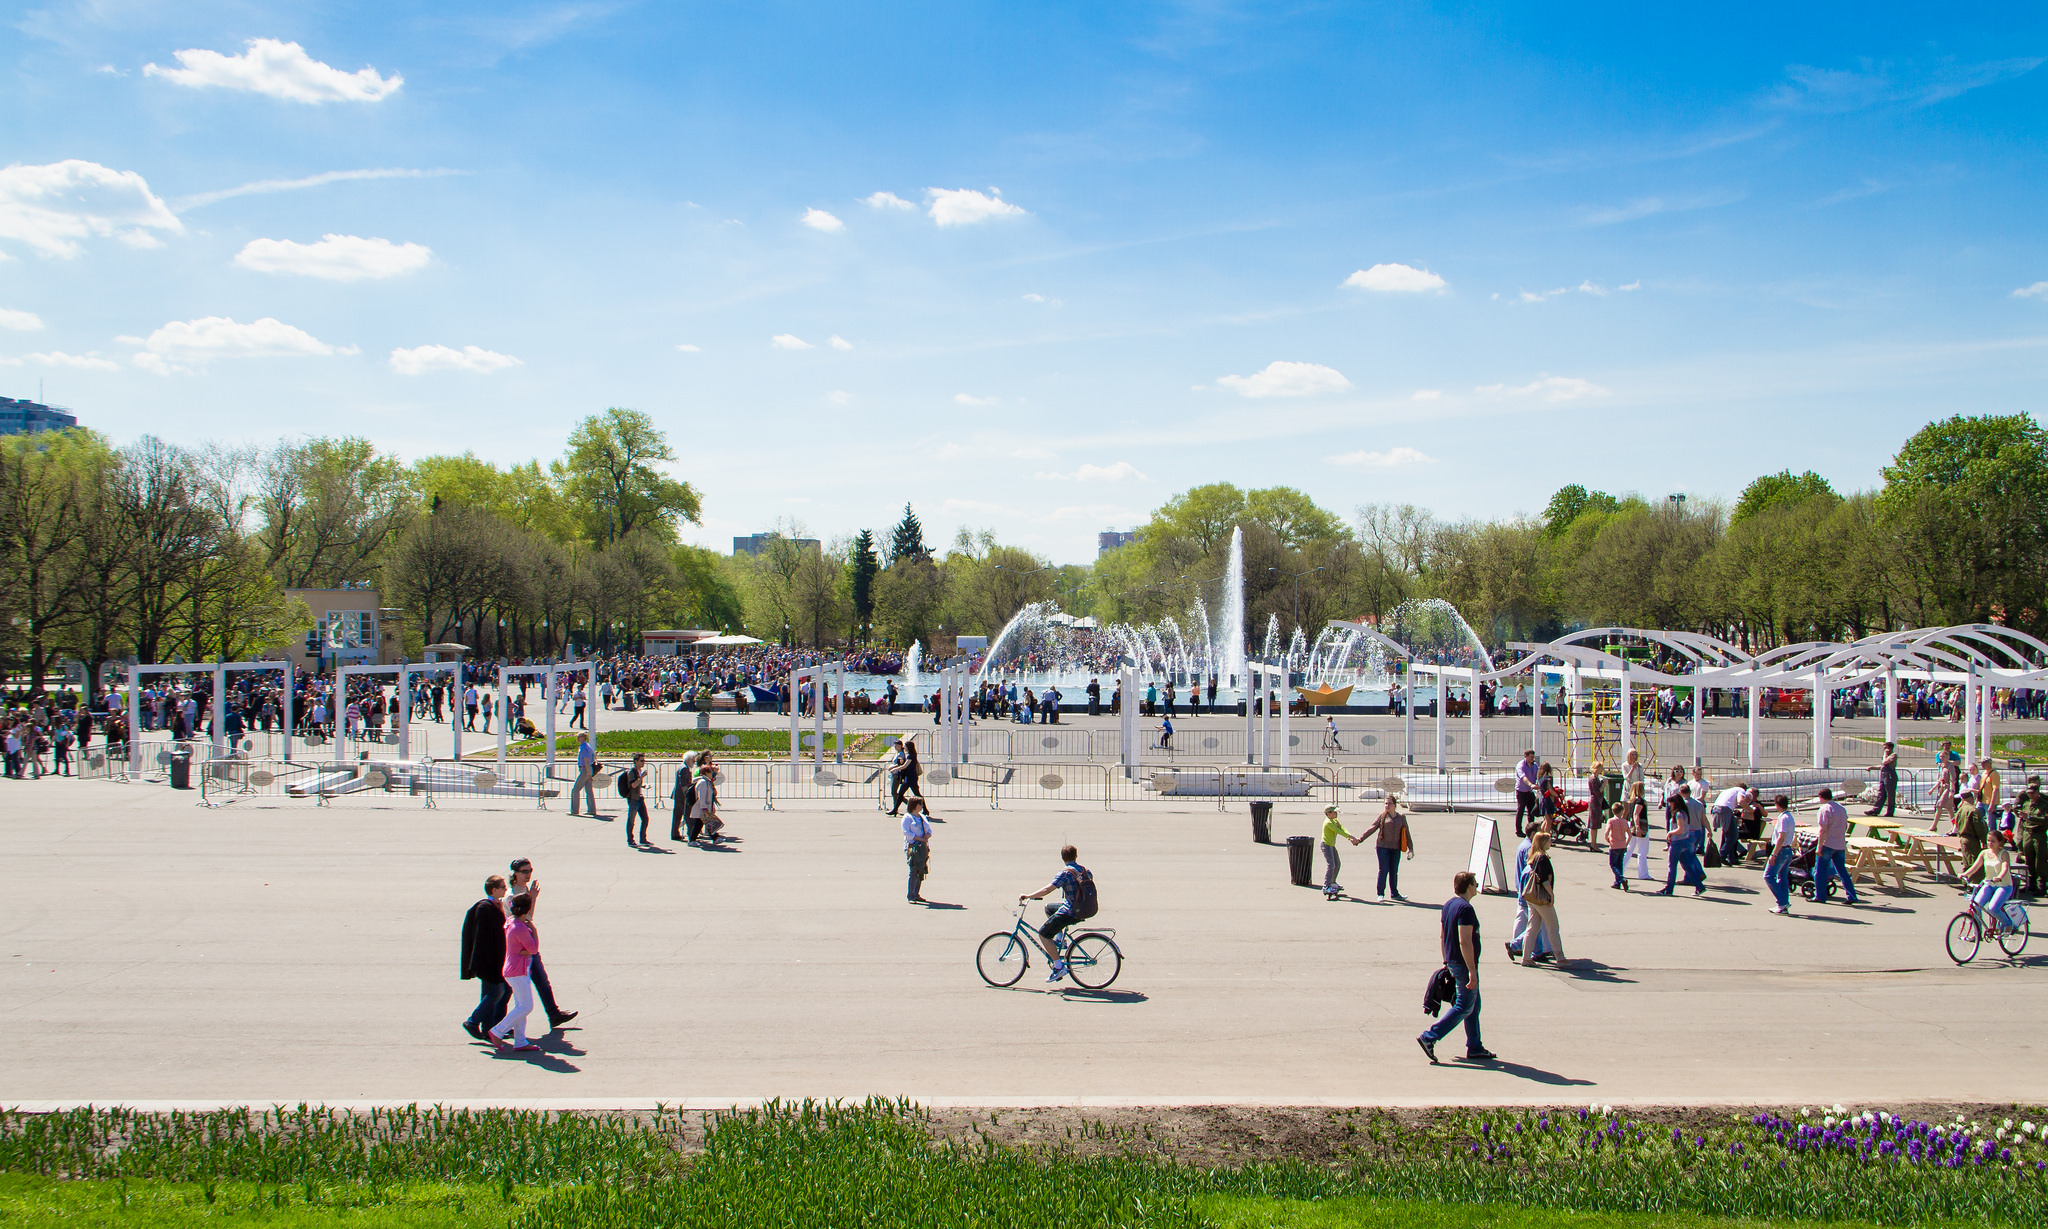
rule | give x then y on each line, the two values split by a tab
1036	267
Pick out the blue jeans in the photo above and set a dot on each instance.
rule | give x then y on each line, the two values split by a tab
1778	876
1685	856
1390	871
636	806
1830	865
543	989
1465	1008
490	1003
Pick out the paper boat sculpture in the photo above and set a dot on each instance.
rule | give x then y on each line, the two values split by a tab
1324	694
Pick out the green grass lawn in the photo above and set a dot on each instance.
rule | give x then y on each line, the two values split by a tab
2032	748
880	1165
618	744
146	1204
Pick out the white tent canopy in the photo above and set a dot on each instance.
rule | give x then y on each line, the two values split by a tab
716	641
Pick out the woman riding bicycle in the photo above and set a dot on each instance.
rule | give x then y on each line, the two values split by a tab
1996	889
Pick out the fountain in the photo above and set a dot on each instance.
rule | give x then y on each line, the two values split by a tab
911	662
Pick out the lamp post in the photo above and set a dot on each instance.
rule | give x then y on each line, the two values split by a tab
1296	576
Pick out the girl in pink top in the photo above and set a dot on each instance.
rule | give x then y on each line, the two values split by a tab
521	946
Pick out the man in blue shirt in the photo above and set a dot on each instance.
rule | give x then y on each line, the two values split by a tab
1058	917
586	773
1461	956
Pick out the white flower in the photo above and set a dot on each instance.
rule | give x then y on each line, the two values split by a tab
2028	1127
1828	1121
1839	1109
2008	1124
1999	1133
1884	1117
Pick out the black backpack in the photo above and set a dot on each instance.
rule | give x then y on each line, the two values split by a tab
1086	903
625	785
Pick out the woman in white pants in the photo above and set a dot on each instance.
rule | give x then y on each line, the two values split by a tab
521	946
1539	893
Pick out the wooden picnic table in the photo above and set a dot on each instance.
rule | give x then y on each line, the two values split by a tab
1872	858
1927	848
1877	823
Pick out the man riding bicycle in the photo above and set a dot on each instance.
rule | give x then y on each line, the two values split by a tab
1077	903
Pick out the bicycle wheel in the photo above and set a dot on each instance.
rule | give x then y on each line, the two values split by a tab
1001	959
1094	961
1965	936
2013	942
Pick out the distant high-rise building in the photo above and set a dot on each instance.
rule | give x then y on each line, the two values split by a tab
755	543
19	417
1109	539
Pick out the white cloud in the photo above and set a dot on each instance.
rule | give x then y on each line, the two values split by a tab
474	359
1842	90
1546	388
1426	394
1395	278
1103	473
18	321
321	180
790	341
1634	285
94	361
839	343
185	345
1648	206
970	399
889	200
839	396
1284	379
51	207
1584	287
818	219
2039	290
1034	298
687	348
281	70
1390	459
965	206
336	258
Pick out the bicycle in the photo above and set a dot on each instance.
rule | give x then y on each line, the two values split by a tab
1966	931
1093	958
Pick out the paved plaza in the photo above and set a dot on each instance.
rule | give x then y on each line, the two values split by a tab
274	951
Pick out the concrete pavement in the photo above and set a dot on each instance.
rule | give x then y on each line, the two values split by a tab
161	952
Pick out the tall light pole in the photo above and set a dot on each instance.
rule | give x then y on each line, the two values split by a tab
1296	576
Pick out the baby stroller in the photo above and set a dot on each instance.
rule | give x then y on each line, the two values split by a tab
1799	875
1567	816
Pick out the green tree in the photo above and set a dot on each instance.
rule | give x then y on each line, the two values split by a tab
1777	490
1965	504
1570	503
610	468
330	509
862	568
906	541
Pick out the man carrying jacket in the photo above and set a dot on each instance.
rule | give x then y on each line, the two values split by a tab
483	957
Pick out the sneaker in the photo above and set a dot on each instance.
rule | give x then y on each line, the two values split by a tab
1399	897
1661	892
1699	891
1779	909
1480	1056
1429	1048
1382	898
1059	970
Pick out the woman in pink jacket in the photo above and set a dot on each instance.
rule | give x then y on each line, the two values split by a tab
521	946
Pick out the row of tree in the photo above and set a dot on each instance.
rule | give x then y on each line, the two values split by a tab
161	550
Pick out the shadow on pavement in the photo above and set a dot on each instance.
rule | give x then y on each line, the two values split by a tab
1521	1071
1104	996
937	904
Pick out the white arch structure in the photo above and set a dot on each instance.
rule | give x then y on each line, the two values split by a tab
1979	656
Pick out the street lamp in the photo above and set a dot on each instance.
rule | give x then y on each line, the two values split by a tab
1297	594
1677	501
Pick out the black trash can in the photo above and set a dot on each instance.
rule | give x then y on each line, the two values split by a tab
1301	860
1262	823
181	768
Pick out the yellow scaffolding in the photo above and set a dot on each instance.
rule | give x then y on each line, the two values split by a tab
1592	730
